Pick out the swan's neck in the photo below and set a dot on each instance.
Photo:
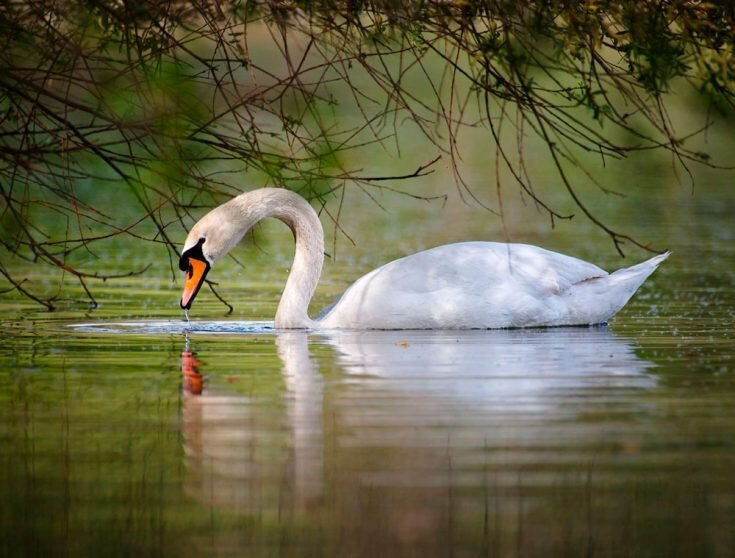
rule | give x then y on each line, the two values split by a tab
296	212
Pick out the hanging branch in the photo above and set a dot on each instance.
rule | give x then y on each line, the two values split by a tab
166	105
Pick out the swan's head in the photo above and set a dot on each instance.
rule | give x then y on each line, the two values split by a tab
196	265
209	240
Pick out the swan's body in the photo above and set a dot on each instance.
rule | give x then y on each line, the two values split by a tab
455	286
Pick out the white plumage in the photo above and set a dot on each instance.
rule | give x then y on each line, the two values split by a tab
485	285
455	286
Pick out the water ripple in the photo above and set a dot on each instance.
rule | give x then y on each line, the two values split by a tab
175	326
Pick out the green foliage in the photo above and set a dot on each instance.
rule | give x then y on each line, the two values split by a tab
174	102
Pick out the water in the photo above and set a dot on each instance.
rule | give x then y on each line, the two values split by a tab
158	438
133	431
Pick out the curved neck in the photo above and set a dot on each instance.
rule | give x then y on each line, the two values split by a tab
303	221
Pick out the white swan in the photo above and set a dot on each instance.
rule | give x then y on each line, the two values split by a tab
456	286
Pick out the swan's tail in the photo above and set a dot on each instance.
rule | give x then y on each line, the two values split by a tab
639	272
626	281
597	300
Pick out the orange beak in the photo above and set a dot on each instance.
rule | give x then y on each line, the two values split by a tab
196	271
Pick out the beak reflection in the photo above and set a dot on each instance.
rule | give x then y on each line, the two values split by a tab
193	381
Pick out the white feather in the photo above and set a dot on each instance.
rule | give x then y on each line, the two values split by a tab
456	286
485	285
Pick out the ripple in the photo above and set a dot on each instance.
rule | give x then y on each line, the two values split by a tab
175	326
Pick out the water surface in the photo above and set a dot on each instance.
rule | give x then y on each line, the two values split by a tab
126	431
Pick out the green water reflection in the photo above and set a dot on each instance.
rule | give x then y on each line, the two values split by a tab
547	442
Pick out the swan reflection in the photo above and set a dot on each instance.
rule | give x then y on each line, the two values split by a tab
240	453
405	417
484	368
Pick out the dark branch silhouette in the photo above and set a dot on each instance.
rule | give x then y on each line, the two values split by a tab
165	104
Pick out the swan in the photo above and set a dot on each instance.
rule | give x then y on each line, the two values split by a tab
468	285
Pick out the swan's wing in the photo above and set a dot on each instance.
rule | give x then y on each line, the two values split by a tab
540	271
459	285
477	266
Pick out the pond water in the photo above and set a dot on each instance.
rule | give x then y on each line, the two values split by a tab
127	431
